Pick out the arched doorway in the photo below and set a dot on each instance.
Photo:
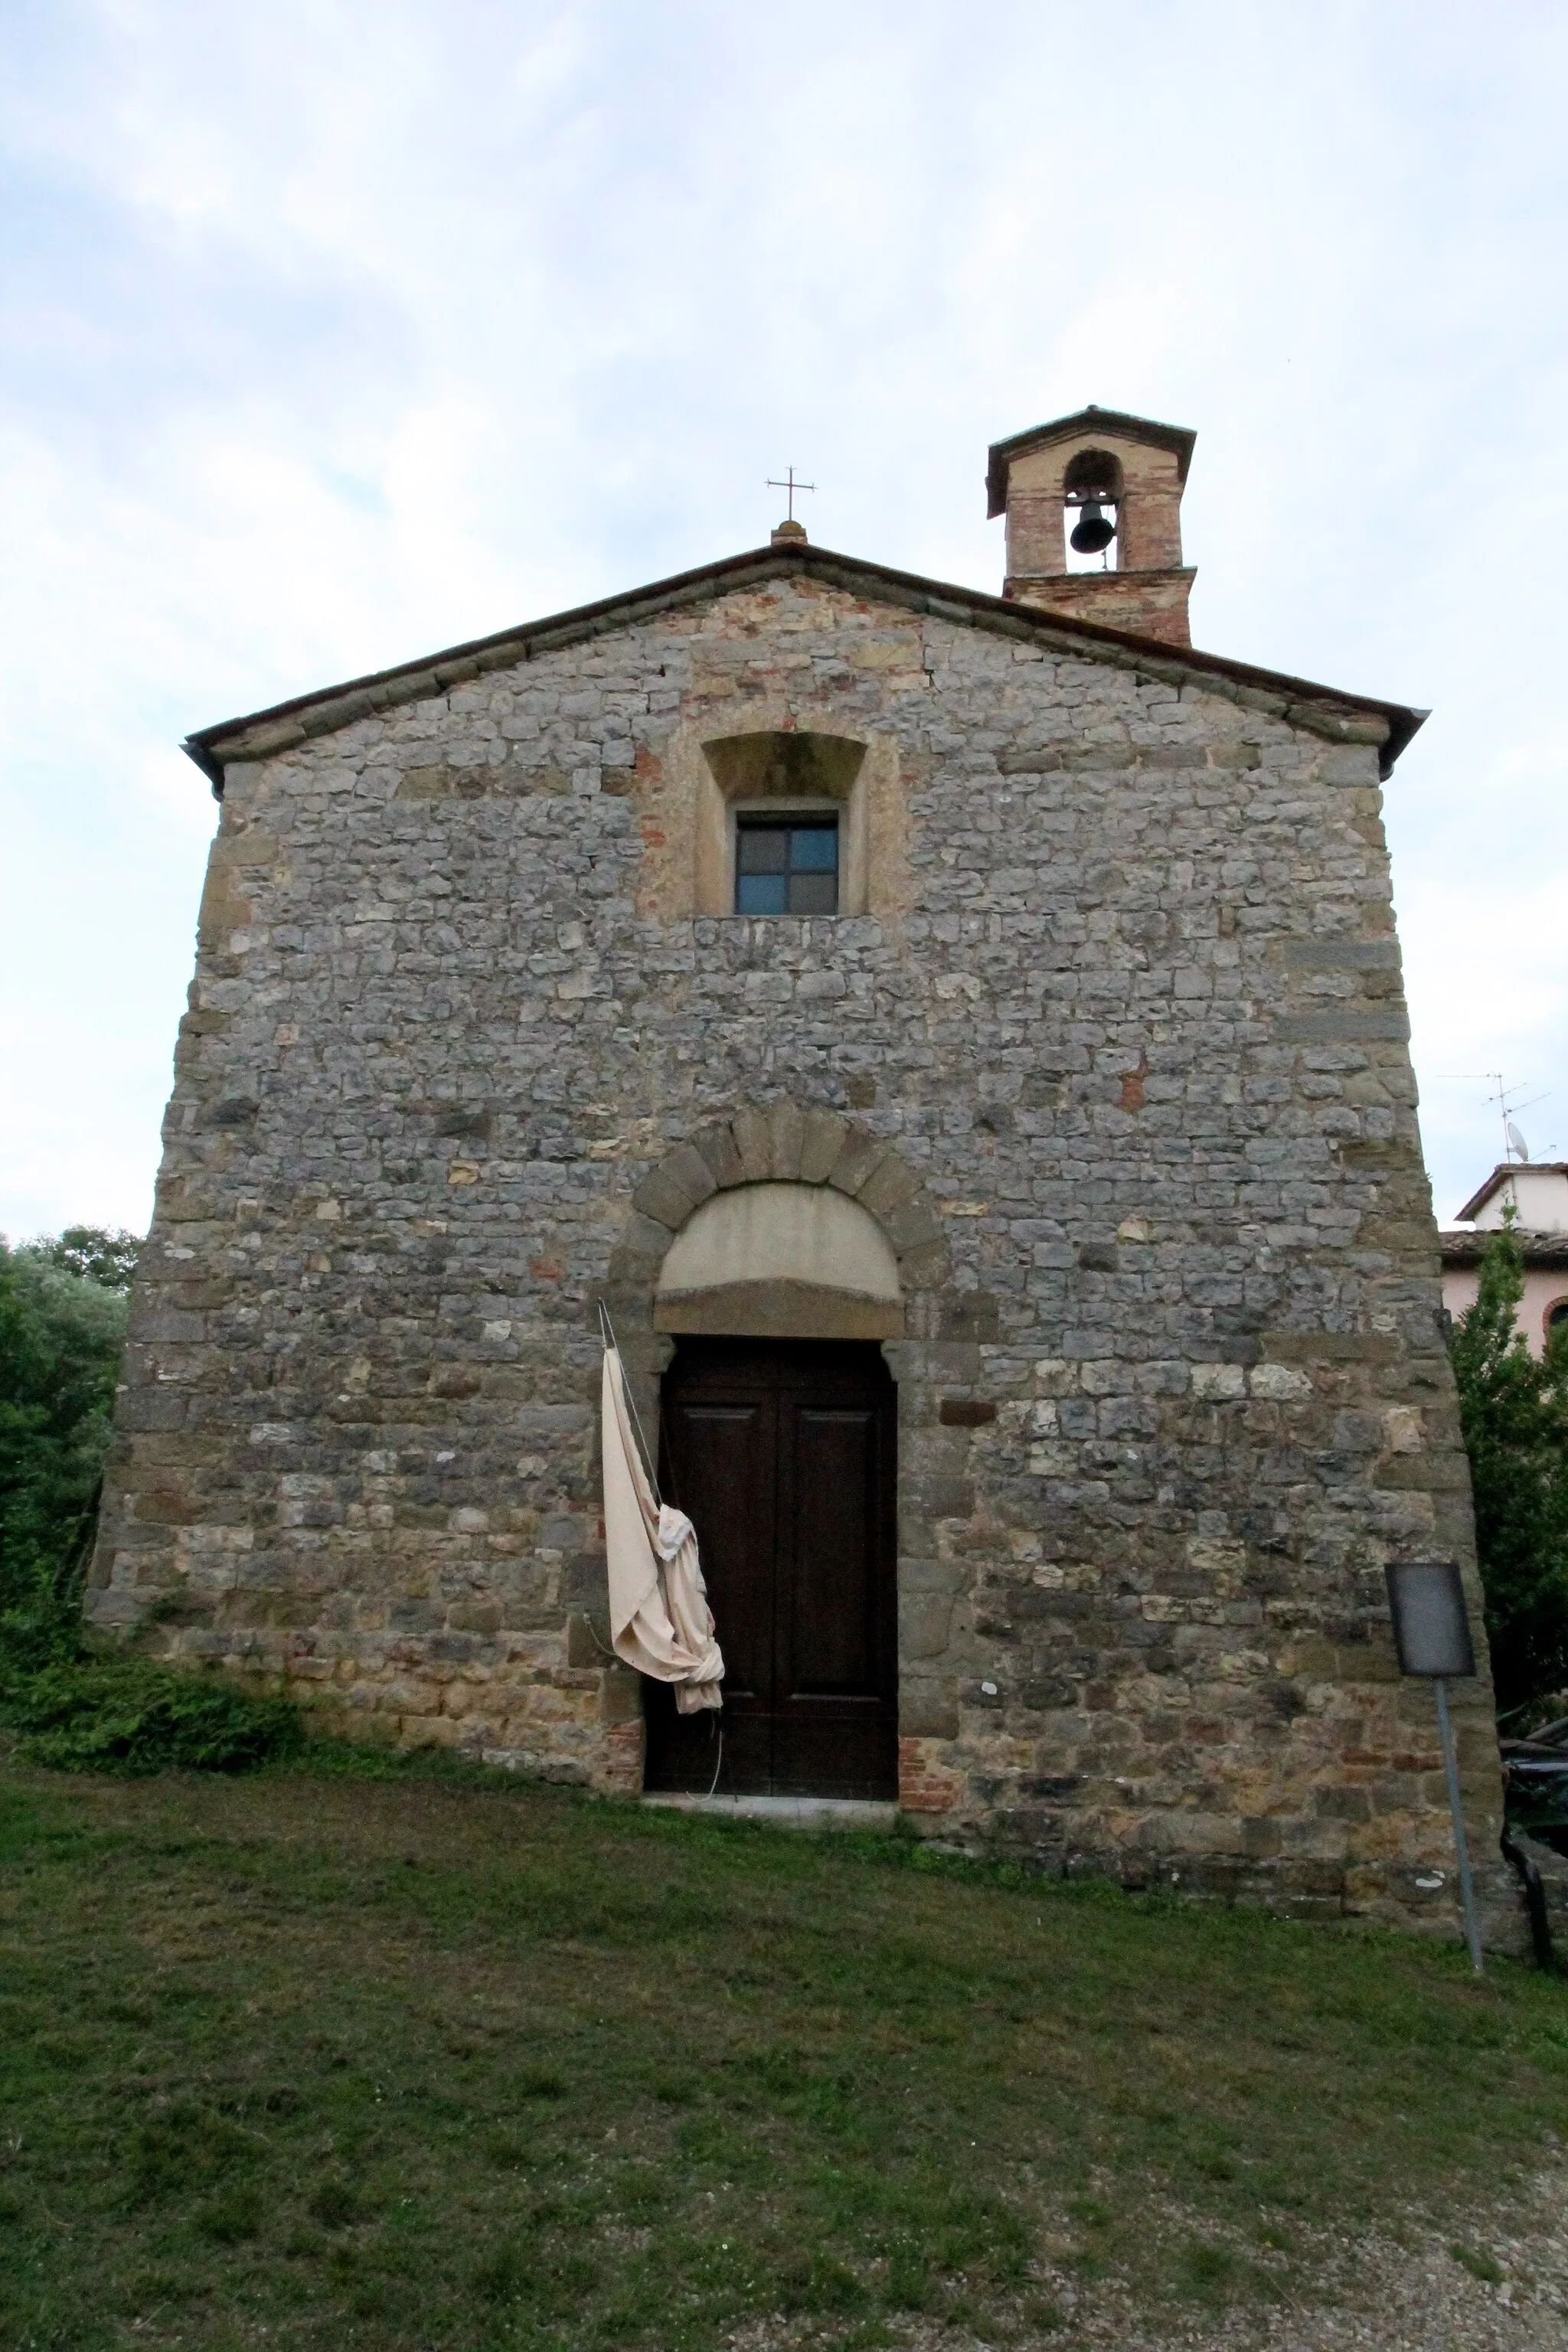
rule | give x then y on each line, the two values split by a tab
778	1435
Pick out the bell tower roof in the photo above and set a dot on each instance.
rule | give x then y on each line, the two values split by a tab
1108	421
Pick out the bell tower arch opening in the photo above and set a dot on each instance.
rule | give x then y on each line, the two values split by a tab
1091	497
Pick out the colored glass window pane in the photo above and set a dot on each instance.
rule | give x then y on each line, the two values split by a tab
814	848
786	868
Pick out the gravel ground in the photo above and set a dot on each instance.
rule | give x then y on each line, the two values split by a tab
1375	2293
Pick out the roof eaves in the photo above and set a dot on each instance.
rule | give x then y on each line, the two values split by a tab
1459	1249
1324	710
1483	1192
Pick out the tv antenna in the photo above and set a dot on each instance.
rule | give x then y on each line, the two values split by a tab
1514	1143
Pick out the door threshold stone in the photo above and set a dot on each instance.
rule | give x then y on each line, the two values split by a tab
789	1812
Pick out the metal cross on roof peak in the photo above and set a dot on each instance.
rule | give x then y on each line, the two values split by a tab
791	485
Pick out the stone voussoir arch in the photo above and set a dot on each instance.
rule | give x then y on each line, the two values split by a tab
784	1143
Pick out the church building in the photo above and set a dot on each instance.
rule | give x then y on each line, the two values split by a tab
960	1040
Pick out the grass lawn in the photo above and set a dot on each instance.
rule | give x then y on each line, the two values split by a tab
418	2062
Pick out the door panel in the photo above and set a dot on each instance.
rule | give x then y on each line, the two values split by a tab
827	1616
724	1456
717	1464
783	1454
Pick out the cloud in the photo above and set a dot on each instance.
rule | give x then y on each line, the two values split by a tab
340	333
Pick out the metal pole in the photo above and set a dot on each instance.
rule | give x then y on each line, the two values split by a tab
1451	1769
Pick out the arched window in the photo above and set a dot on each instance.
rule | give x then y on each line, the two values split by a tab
1556	1317
1092	502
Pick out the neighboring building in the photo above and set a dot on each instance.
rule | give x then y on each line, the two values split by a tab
1538	1195
961	1039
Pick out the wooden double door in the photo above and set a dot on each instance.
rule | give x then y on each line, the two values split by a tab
783	1453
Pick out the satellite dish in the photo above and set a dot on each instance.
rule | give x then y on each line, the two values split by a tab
1516	1141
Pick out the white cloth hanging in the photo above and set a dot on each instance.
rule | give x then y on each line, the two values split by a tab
660	1619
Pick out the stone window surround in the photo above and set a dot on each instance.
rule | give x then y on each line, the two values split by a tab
704	774
780	772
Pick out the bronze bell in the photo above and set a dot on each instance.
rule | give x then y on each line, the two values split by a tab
1092	529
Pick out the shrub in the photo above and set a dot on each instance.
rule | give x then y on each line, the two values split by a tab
133	1715
1513	1407
63	1309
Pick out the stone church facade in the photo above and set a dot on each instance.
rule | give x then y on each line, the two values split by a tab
1086	1111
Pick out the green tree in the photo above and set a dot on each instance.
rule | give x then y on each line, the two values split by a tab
63	1310
1514	1411
61	1334
105	1256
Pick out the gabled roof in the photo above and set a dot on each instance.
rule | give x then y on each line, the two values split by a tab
1320	709
1500	1177
1174	437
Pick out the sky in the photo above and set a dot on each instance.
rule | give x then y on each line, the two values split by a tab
341	330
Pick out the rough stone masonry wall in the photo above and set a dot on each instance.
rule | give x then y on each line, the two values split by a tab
1138	1032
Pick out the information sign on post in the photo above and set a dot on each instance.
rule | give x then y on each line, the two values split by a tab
1432	1635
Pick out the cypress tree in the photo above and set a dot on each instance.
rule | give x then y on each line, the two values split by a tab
1513	1407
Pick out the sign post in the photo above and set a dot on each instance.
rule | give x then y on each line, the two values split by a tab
1432	1634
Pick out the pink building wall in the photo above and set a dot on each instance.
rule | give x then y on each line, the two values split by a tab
1544	1287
